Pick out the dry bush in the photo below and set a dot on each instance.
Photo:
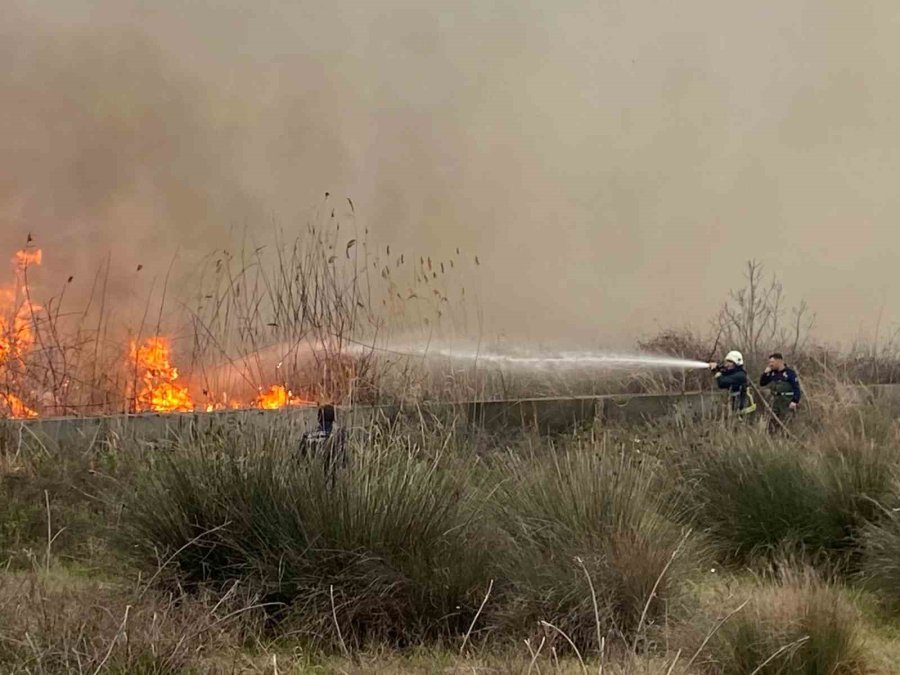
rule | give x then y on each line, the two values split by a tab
306	312
797	623
874	362
756	496
71	365
386	547
683	344
881	555
310	311
588	544
53	623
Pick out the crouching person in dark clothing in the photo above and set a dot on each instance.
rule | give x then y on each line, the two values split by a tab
326	444
731	375
784	385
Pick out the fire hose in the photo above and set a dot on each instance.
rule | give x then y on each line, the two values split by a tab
772	412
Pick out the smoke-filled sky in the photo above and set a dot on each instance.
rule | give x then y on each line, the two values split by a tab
612	163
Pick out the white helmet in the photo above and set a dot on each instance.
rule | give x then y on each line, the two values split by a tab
735	357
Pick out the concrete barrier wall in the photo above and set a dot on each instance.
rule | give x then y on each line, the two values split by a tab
159	428
553	415
547	415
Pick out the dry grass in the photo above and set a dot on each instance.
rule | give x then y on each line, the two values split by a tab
552	517
881	558
312	310
796	623
301	311
55	622
588	544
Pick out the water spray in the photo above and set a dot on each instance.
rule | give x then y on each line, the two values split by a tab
532	360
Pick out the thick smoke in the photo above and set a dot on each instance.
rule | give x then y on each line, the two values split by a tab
612	164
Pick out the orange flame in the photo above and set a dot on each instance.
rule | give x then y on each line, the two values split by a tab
156	380
273	398
159	391
16	331
16	335
17	409
276	397
27	257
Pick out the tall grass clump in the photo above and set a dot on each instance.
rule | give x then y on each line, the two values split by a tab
881	559
54	622
53	500
859	455
799	624
590	546
759	498
387	548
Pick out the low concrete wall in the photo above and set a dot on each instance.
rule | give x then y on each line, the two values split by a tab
152	428
546	415
160	428
630	410
552	415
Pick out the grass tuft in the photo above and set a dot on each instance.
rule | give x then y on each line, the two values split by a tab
389	552
582	528
881	559
798	624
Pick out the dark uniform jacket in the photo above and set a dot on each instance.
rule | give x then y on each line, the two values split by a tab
735	381
784	385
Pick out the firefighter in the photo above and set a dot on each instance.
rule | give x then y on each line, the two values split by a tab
785	387
731	375
326	443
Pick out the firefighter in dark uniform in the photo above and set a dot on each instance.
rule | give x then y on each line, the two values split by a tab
326	443
785	387
731	375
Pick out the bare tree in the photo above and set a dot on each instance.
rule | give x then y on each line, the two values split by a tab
755	319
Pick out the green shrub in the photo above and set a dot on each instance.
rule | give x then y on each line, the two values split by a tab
798	624
860	477
757	497
391	551
577	520
881	559
761	498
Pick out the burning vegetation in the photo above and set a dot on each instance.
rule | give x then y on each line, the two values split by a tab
154	383
159	390
277	396
17	316
276	326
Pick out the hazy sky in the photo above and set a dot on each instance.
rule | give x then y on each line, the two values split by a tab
613	163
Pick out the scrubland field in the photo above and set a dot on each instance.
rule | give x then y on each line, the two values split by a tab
680	546
688	547
549	200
